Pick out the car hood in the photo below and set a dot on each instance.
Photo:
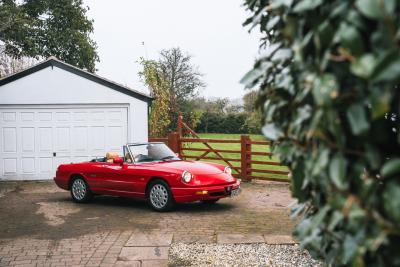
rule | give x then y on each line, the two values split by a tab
195	167
205	174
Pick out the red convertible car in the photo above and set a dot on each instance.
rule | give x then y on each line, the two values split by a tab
150	171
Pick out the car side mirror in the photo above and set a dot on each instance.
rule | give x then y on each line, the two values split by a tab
118	160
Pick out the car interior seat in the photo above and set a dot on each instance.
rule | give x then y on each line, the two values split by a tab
110	156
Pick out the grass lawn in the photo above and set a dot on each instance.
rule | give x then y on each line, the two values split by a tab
255	148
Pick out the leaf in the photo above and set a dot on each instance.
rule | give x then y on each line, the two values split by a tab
351	39
357	119
373	156
370	8
279	3
349	248
250	77
319	216
321	162
303	113
306	5
391	200
324	87
282	54
364	66
271	131
337	171
325	34
391	167
272	22
380	103
270	50
390	6
388	68
336	218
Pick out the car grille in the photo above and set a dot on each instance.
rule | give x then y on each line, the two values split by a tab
217	194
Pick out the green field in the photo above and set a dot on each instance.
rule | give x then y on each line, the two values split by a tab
256	148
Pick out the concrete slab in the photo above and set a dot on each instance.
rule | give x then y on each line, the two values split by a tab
149	240
143	253
155	263
127	263
279	239
181	238
239	238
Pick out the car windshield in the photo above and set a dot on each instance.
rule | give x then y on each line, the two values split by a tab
151	152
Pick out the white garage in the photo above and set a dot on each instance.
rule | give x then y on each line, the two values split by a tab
55	113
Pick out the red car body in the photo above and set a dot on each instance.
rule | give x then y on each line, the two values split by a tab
209	182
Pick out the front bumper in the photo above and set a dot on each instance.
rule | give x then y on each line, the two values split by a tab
190	194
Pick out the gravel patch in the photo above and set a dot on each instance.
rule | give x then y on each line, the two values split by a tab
258	254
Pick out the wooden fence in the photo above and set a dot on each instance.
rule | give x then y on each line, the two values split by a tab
246	162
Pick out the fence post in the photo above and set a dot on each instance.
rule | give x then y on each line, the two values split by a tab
245	146
179	126
173	142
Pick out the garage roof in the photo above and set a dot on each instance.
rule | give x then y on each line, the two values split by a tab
52	61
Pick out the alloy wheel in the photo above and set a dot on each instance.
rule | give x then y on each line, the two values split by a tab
159	196
79	189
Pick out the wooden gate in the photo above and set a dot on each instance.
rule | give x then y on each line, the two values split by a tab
249	159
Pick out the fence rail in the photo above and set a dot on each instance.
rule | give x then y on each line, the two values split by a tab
246	163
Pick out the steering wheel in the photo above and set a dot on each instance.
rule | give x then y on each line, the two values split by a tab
137	157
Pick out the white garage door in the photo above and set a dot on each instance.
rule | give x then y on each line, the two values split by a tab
34	141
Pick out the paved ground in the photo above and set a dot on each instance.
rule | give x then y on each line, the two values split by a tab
41	226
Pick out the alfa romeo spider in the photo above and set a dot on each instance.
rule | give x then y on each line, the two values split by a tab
150	171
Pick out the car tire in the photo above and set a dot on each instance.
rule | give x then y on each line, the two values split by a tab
159	196
210	201
80	191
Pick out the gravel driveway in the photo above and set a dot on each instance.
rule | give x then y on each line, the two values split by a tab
239	255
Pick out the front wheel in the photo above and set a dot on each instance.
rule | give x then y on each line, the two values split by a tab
160	196
80	191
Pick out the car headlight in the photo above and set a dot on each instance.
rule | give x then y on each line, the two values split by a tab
228	170
186	176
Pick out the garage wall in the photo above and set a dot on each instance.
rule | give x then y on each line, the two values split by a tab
53	85
35	141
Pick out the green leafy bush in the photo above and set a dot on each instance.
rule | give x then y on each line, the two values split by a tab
231	123
328	82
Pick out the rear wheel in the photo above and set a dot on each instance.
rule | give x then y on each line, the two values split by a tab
160	196
80	191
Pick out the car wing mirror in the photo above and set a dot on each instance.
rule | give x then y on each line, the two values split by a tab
118	160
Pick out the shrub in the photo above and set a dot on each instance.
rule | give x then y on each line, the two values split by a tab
329	88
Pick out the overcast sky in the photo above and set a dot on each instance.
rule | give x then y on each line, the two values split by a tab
209	30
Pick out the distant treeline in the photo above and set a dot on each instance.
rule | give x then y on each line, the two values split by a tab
221	116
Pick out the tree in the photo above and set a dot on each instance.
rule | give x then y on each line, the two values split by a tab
249	101
253	113
183	78
10	65
329	90
37	29
159	116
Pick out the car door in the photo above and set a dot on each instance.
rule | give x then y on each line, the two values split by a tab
118	177
97	178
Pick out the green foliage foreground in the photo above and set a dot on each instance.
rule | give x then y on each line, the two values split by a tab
329	87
